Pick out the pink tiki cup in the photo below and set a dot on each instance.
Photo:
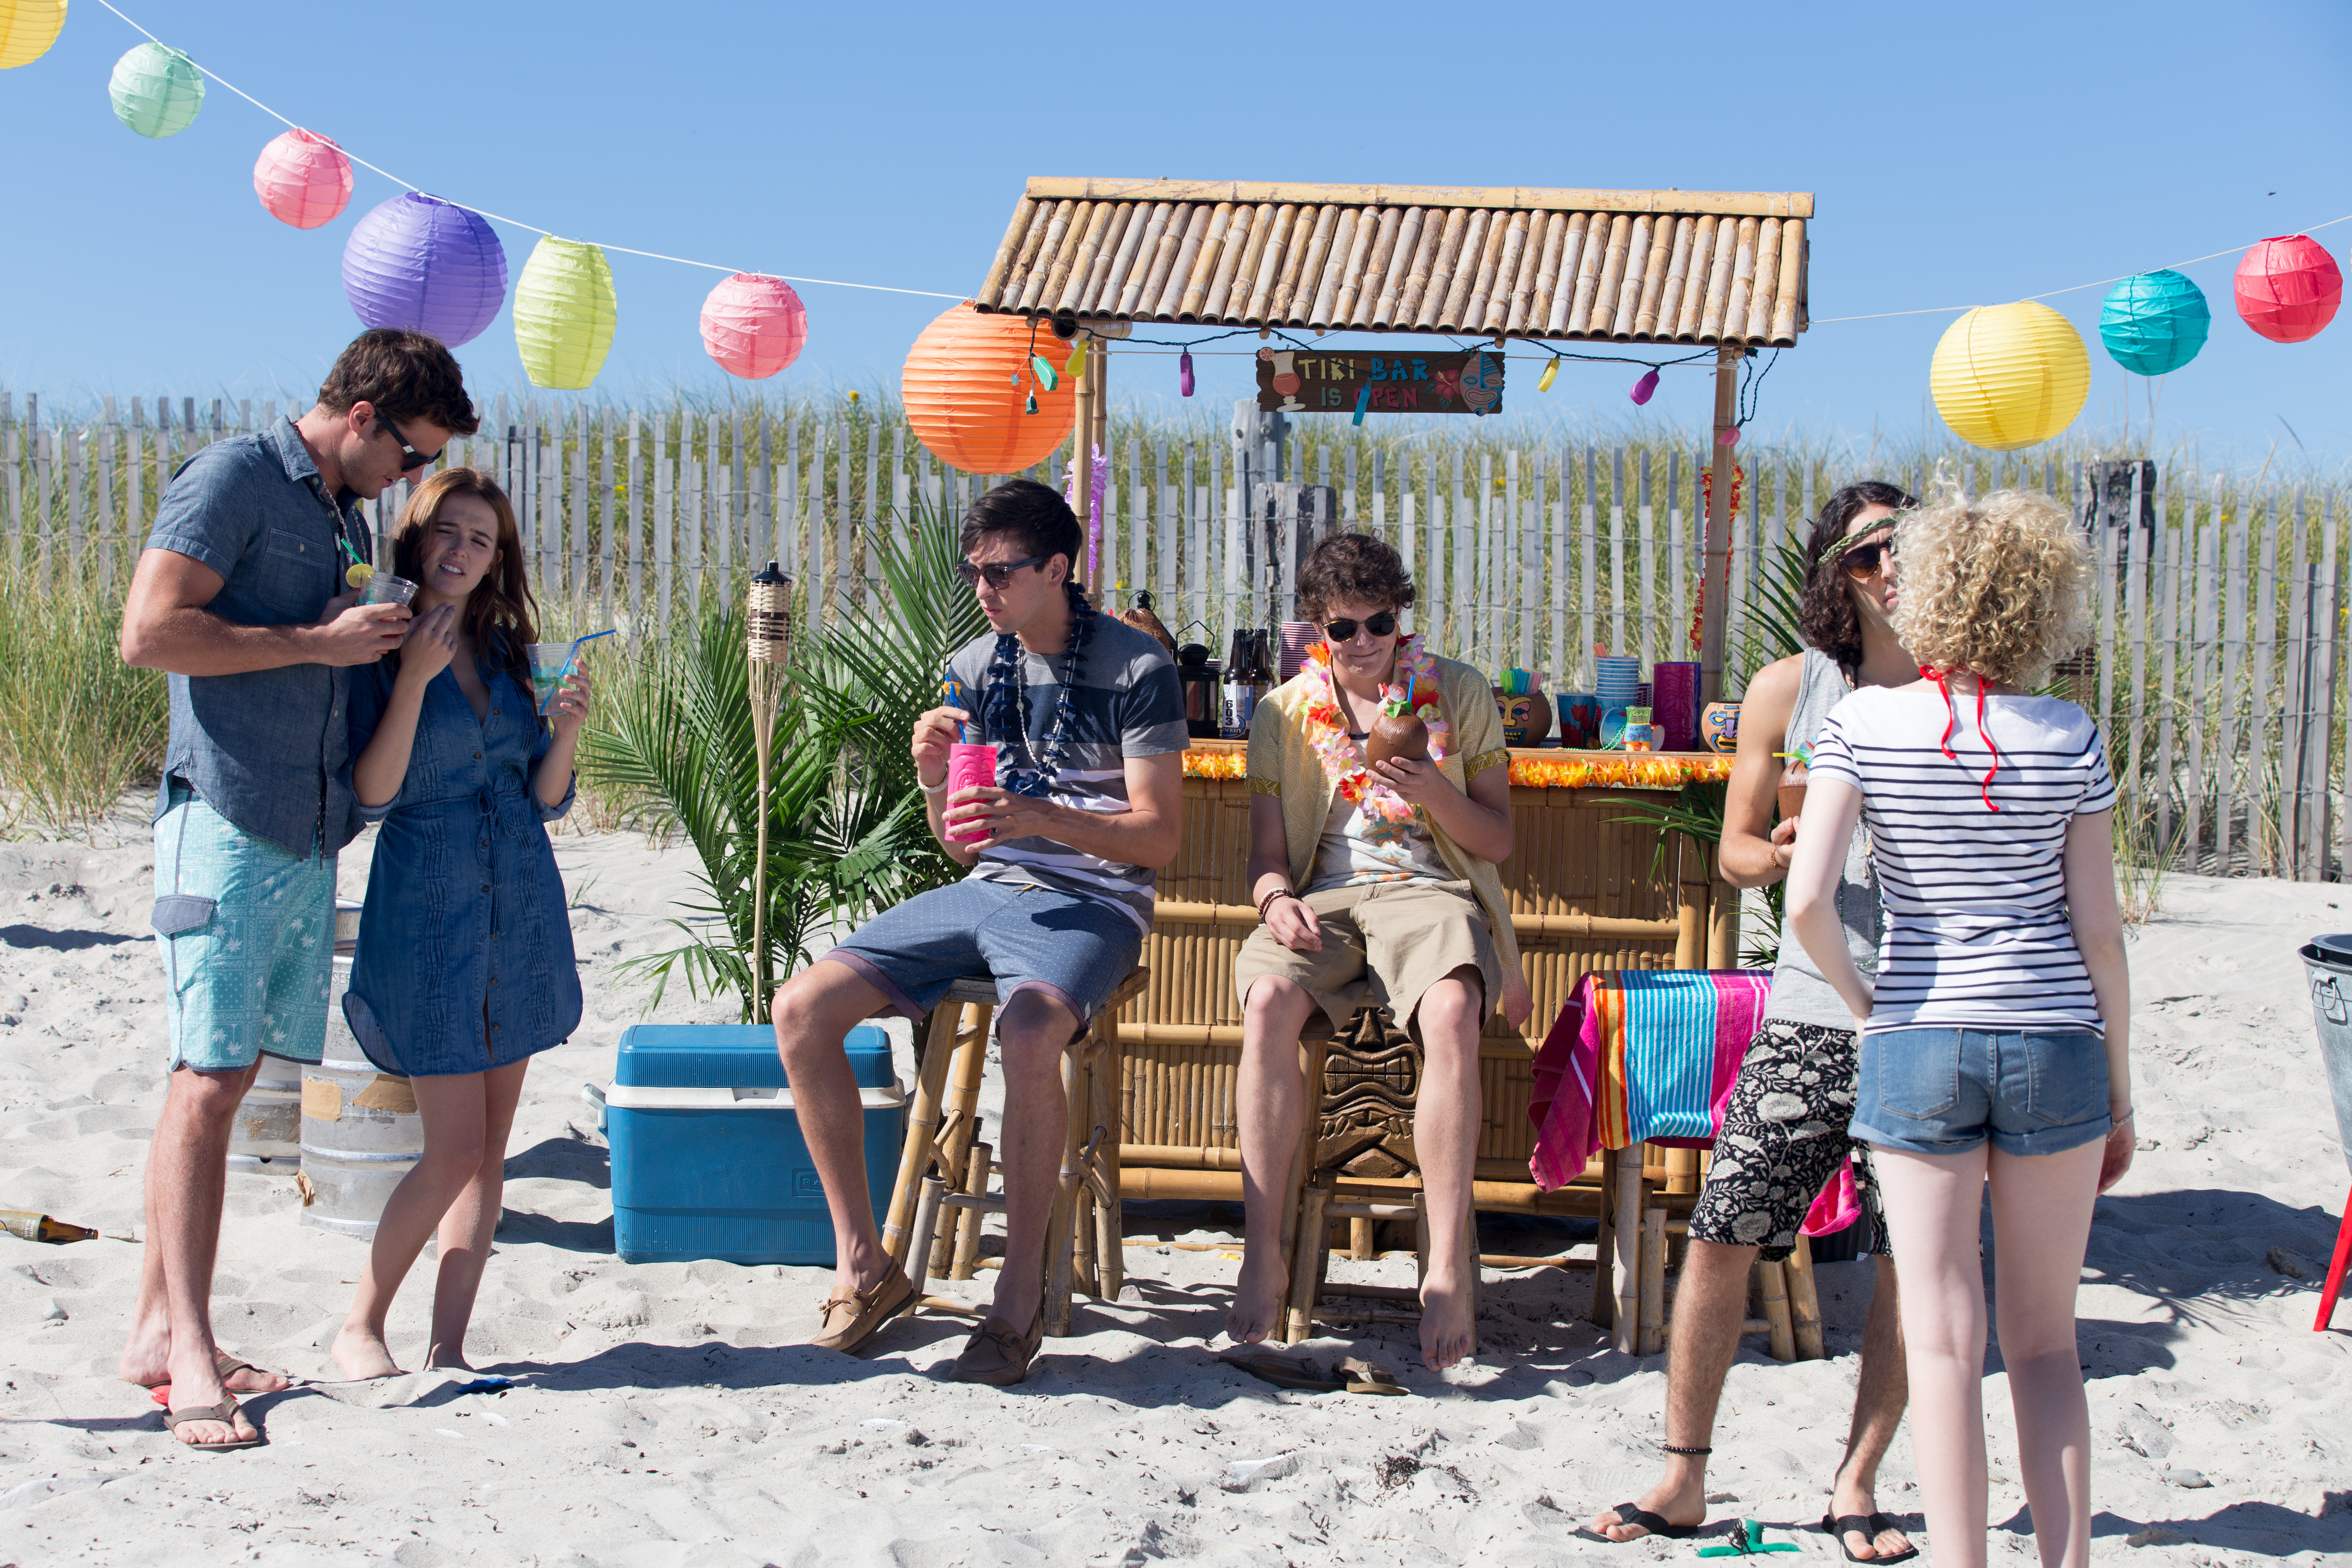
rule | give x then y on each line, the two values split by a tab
968	767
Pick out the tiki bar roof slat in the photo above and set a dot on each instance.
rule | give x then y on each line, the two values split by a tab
1668	267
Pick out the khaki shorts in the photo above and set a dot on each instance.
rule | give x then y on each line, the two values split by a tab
1383	945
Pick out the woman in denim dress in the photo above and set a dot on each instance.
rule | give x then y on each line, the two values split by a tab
465	966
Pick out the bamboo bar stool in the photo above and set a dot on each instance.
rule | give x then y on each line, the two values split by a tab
944	1169
1646	1214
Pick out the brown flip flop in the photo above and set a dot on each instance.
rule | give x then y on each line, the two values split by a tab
1302	1374
1369	1377
224	1413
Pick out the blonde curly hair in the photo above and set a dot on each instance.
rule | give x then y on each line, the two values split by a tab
1999	586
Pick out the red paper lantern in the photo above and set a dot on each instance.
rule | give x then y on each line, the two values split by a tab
753	325
967	383
2288	288
302	179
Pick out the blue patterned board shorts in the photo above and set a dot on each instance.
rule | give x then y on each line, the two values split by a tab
1074	949
247	933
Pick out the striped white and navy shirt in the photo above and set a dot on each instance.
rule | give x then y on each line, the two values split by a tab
1127	704
1975	933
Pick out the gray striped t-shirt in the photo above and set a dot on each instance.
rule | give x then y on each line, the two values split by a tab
1128	705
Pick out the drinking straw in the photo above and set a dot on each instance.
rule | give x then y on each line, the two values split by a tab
574	657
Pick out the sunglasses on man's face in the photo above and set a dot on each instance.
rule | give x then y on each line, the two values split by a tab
998	572
411	459
1379	626
1863	559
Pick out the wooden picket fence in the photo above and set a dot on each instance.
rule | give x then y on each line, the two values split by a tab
2217	666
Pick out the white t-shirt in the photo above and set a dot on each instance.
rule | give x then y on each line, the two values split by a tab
1977	934
1357	851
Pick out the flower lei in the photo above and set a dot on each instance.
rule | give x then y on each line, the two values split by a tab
1006	707
1342	759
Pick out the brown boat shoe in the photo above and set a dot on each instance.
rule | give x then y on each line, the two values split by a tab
998	1353
851	1320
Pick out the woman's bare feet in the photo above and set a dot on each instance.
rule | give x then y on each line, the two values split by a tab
362	1354
1676	1503
1256	1295
1447	1325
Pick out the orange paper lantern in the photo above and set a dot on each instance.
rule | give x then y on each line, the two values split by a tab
2288	288
967	383
302	179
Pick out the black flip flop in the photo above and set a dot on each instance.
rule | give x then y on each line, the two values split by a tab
1643	1519
1871	1526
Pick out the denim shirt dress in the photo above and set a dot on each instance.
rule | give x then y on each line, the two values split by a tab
465	922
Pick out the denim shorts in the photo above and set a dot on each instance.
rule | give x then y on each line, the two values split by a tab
1941	1091
247	933
1073	948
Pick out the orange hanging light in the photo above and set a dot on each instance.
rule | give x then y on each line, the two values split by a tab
969	379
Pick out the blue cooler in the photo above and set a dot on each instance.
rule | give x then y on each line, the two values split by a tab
708	1156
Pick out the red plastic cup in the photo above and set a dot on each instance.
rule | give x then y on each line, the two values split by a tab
968	767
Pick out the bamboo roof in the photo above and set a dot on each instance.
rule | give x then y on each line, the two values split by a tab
1667	267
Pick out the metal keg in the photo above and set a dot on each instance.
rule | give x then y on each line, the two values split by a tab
265	1137
361	1133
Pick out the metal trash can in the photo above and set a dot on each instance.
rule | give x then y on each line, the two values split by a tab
2327	959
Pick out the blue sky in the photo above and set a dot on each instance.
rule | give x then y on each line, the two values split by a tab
1959	155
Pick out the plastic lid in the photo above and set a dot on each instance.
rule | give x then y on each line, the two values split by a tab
731	1056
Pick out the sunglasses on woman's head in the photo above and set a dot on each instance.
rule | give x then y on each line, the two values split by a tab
998	572
1863	559
1379	626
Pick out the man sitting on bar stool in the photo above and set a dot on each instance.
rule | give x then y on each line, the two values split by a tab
1373	884
1089	725
1784	1127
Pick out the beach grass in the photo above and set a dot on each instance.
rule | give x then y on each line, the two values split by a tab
77	726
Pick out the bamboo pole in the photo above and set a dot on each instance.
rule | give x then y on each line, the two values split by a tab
1716	583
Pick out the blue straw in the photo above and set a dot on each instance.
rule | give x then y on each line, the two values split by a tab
573	657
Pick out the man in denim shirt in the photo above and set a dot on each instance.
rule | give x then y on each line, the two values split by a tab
240	596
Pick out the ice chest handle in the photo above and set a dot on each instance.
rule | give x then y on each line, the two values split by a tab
660	1097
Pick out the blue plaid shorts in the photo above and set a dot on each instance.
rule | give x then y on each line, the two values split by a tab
1073	948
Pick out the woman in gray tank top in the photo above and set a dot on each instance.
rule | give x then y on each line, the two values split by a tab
1784	1127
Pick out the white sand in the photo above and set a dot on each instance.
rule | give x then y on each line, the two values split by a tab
668	1414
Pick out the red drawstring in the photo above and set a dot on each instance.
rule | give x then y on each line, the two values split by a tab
1942	678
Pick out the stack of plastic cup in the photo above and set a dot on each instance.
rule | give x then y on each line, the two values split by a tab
1616	681
1295	637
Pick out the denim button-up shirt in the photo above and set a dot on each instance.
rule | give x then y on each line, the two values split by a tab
465	958
267	749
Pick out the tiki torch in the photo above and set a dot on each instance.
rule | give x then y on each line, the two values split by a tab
768	624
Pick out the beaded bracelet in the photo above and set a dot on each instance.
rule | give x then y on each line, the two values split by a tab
1277	893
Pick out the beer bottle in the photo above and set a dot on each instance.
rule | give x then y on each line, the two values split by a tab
41	1227
1240	695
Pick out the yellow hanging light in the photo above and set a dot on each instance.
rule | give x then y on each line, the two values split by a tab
2006	376
27	28
564	312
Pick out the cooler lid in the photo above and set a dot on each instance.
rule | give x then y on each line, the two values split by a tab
731	1056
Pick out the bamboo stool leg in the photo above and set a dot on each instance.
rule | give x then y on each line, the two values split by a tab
1783	1343
958	1125
927	1216
1360	1238
966	1237
1804	1302
1605	1250
1307	1261
1104	1071
922	1126
1293	1191
1419	1241
1630	1196
1651	1336
1474	1277
1060	1227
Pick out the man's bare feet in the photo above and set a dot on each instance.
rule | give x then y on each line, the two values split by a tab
1682	1502
1256	1294
1446	1322
362	1354
146	1361
1850	1494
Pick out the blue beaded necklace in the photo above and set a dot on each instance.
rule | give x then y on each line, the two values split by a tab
1006	707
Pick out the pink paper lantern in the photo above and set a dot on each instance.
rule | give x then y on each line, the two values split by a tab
753	325
2288	288
302	179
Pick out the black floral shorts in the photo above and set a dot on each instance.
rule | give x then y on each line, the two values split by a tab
1784	1135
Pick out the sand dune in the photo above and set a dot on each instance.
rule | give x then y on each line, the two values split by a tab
668	1414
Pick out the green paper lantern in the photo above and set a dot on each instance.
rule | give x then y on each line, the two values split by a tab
156	90
564	312
2155	322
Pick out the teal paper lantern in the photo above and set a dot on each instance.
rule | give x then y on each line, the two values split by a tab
2155	322
156	90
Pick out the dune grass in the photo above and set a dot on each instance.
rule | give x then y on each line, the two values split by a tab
77	726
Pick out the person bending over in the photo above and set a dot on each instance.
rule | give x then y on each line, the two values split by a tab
1376	885
1993	1049
1784	1127
1089	725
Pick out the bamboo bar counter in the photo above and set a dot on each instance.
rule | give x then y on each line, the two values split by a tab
1587	892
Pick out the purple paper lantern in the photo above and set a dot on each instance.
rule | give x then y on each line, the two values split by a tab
418	261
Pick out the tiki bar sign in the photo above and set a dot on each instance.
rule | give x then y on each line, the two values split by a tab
1311	382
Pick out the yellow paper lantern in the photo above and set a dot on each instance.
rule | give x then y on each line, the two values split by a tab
2007	377
564	312
27	28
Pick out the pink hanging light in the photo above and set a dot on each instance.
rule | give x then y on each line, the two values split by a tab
1645	388
302	178
753	325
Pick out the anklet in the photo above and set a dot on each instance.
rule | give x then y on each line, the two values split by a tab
1695	1453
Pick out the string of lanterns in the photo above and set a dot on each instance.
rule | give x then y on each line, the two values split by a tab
420	262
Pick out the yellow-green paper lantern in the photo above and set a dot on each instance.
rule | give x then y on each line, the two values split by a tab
27	28
2007	377
157	90
563	313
